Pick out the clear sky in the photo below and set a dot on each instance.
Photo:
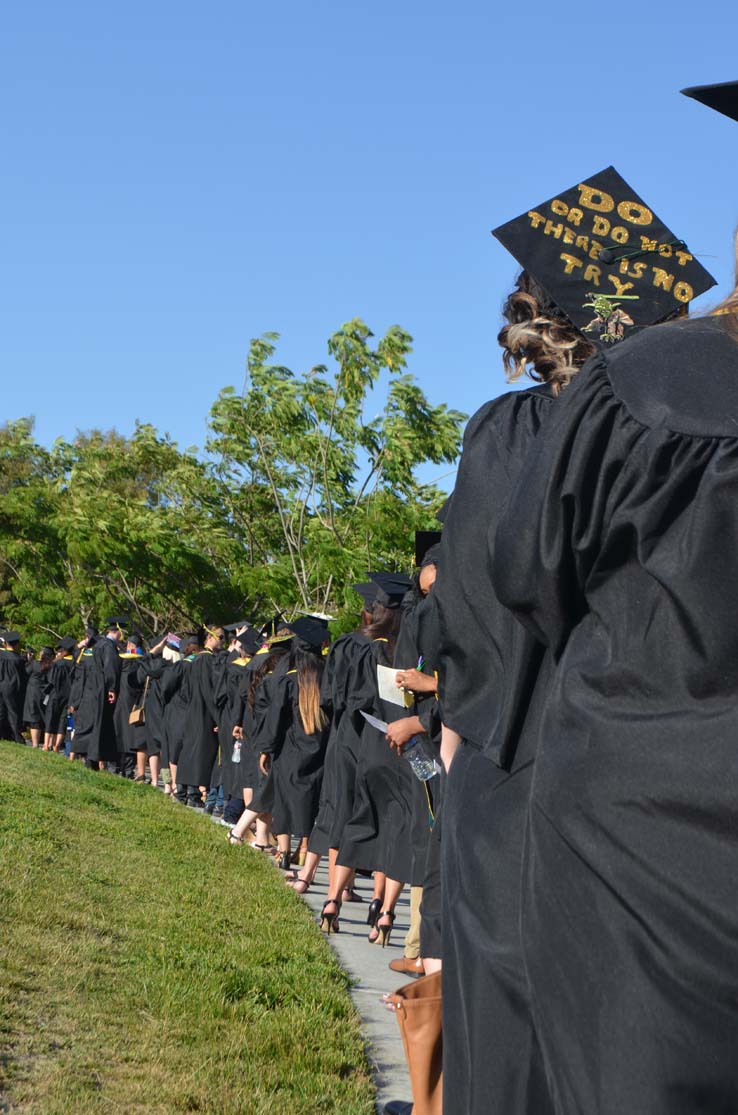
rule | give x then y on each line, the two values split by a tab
178	178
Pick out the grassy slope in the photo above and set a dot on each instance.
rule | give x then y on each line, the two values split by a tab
145	966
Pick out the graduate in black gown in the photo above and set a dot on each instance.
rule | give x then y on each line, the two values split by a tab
80	676
229	701
12	687
495	674
200	740
36	694
618	550
175	695
130	738
57	697
94	724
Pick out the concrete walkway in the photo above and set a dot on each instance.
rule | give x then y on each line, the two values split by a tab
367	964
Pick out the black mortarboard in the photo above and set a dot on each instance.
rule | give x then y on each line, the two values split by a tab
391	588
596	248
723	97
367	591
11	637
116	622
319	617
67	643
249	640
190	637
91	632
270	628
309	630
48	652
424	539
135	639
237	625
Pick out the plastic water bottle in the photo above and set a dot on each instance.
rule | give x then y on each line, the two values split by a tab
236	754
421	764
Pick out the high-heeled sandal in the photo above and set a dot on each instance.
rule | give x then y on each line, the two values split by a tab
373	912
385	931
283	863
234	838
329	922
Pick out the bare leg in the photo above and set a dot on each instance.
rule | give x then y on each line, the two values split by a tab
392	891
173	772
58	744
154	761
140	766
37	737
302	881
380	882
49	738
431	964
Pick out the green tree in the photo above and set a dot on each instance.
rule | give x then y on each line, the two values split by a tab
323	491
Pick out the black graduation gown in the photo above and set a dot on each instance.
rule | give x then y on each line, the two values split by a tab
263	799
297	758
339	770
378	836
12	694
200	746
129	737
58	690
175	695
84	708
245	775
620	548
229	703
94	726
151	668
489	672
36	689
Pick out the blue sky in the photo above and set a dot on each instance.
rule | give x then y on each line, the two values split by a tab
177	178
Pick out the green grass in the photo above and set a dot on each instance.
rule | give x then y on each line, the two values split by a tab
147	967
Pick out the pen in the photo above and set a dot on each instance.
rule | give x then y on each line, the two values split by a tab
421	663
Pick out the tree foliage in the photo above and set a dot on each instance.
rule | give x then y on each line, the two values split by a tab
308	480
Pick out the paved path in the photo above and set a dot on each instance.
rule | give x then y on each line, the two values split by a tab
367	964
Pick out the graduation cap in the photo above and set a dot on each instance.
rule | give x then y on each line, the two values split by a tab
135	639
48	652
604	257
192	638
67	643
319	617
11	637
249	640
311	631
270	628
425	540
117	623
723	97
236	625
391	588
367	590
91	632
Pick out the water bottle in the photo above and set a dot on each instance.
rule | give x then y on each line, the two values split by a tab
422	766
236	753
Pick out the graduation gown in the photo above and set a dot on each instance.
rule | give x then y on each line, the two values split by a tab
129	737
246	775
83	708
200	744
58	689
12	694
489	674
36	688
297	758
378	835
229	703
175	696
152	668
620	549
339	770
94	725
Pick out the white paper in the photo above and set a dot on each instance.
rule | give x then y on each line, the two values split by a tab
388	691
374	721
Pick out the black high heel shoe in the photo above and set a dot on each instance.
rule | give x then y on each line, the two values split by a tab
284	862
329	922
373	912
385	931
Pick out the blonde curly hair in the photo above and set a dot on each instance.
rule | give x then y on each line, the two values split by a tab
729	305
539	340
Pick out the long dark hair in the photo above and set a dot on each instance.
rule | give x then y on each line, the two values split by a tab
266	665
309	666
385	625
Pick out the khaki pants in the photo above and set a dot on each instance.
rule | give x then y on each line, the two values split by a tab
412	937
